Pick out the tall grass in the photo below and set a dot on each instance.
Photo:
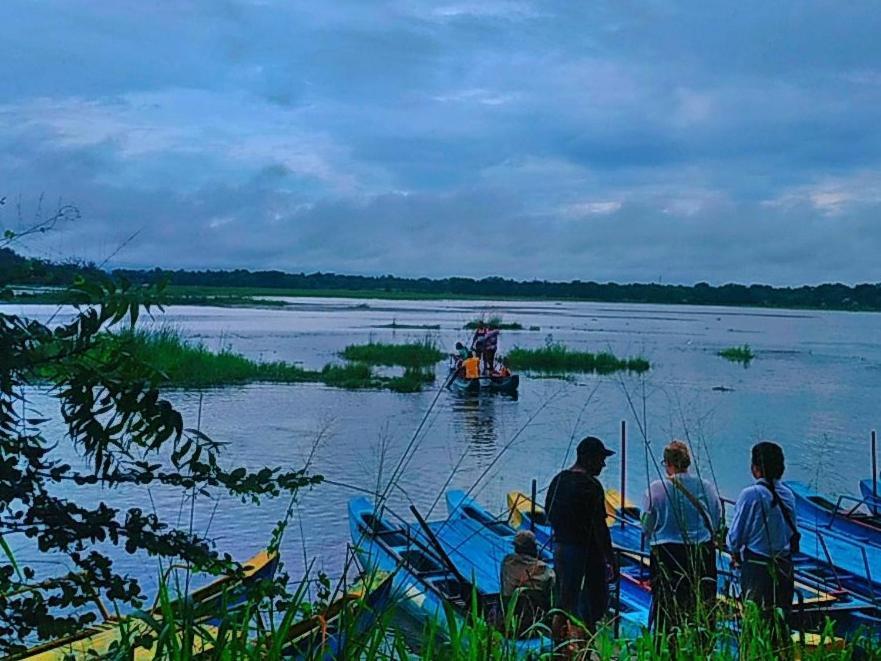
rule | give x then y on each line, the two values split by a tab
556	357
412	354
184	364
264	623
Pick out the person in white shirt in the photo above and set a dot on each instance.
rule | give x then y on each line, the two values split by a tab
764	536
681	516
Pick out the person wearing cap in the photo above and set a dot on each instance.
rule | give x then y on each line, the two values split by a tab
583	556
681	519
528	577
764	535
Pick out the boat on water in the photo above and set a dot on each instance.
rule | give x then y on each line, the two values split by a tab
225	593
871	492
821	588
501	384
430	564
630	600
819	511
326	635
336	633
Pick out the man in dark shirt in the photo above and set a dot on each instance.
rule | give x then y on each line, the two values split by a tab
583	557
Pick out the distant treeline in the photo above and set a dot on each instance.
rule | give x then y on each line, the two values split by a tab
15	269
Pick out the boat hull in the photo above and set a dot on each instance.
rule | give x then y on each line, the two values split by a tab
501	384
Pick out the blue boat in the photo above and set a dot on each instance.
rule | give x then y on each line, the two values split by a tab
424	585
820	512
822	589
631	603
872	499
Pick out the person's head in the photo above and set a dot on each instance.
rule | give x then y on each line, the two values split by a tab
481	324
677	458
459	345
591	454
525	544
767	460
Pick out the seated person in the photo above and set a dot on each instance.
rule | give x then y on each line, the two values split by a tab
471	366
529	578
502	369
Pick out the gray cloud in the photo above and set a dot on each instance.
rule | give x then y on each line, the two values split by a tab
609	140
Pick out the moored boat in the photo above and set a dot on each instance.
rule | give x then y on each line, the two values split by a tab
821	589
430	584
817	510
871	492
101	639
630	604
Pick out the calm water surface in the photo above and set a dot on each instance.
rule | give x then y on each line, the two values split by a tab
814	386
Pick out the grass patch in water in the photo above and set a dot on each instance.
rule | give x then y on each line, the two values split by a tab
412	354
743	354
190	365
493	322
556	357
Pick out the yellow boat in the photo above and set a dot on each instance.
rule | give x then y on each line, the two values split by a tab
519	504
101	639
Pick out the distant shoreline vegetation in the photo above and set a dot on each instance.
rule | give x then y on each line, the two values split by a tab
556	357
743	355
240	287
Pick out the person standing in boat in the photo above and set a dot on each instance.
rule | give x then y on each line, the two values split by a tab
681	519
485	342
764	537
583	556
490	346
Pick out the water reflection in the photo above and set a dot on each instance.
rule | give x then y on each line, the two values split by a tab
474	418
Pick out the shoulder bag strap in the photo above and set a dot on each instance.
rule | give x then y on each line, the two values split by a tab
787	516
698	505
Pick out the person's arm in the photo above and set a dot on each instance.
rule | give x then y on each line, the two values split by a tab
737	532
649	515
550	496
596	499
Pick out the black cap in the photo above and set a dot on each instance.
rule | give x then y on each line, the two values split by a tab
591	446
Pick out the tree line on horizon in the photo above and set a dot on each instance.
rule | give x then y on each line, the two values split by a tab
16	269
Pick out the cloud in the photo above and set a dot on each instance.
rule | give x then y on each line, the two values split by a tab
583	140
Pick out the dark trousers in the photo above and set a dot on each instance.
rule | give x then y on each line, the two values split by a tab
582	589
769	582
684	580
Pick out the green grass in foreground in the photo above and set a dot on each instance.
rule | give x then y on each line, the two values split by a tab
556	357
412	354
494	322
188	365
177	631
738	354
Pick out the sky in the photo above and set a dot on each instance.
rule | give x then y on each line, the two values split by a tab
624	141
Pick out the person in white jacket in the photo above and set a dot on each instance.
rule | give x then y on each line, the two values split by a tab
681	517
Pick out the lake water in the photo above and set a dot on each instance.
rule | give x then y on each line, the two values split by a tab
814	386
